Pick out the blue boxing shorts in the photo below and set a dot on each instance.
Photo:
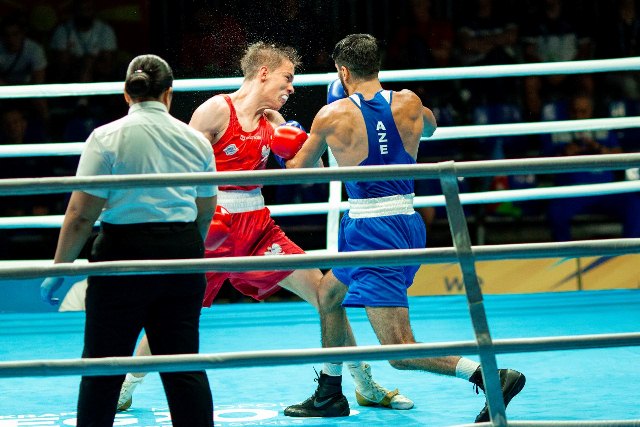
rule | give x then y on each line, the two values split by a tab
379	286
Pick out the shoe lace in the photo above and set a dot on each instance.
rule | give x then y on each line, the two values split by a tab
477	386
372	386
378	388
315	392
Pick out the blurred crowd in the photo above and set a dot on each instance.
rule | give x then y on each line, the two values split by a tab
92	41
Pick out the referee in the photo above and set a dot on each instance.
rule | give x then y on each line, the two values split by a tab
142	224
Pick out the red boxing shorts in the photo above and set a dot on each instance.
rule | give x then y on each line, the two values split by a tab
253	233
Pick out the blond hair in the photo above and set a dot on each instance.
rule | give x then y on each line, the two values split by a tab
269	55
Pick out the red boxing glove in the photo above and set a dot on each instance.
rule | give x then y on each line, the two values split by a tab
218	229
287	141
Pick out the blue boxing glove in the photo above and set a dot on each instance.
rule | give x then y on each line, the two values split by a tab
48	287
282	162
335	91
294	124
289	145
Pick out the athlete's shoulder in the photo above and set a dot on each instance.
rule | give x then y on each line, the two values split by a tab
335	117
211	116
407	102
341	106
215	103
336	111
408	96
274	117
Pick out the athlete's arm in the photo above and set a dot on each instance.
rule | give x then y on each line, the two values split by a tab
276	119
429	122
211	118
310	154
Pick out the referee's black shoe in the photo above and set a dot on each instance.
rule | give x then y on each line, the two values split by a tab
326	401
511	382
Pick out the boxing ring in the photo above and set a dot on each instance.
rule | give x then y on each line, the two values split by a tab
578	350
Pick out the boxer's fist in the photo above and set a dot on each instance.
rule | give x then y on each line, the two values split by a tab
288	139
294	124
335	91
218	229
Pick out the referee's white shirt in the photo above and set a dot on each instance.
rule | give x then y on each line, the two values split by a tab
147	140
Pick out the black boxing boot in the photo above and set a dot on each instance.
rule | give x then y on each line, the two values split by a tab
326	401
511	382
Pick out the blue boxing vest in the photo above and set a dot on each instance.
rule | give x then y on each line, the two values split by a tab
385	148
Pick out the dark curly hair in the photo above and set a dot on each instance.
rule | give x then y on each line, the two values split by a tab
360	53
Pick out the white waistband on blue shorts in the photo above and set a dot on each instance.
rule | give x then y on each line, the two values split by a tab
400	204
236	201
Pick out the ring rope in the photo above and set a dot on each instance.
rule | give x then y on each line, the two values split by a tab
529	128
484	71
480	197
187	362
22	186
442	133
582	248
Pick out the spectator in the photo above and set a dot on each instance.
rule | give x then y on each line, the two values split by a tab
619	37
84	118
623	207
421	41
425	41
552	36
488	35
16	127
22	60
84	46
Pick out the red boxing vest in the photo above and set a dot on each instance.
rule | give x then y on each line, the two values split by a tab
238	150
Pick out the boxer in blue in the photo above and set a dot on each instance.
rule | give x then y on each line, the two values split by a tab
372	126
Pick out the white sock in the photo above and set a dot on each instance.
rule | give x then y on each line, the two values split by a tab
332	369
465	368
132	378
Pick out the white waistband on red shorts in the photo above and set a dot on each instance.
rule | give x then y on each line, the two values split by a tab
236	201
400	204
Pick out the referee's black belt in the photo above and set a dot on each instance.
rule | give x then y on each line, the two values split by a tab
157	227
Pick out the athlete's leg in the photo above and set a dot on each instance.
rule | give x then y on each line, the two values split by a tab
391	325
328	400
335	327
305	284
325	293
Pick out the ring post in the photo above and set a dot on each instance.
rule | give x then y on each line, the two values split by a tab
462	243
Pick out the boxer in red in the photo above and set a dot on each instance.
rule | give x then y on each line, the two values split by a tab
243	127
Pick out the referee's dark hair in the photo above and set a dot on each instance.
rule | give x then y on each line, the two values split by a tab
148	76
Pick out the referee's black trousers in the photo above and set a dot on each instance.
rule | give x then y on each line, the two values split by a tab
166	306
